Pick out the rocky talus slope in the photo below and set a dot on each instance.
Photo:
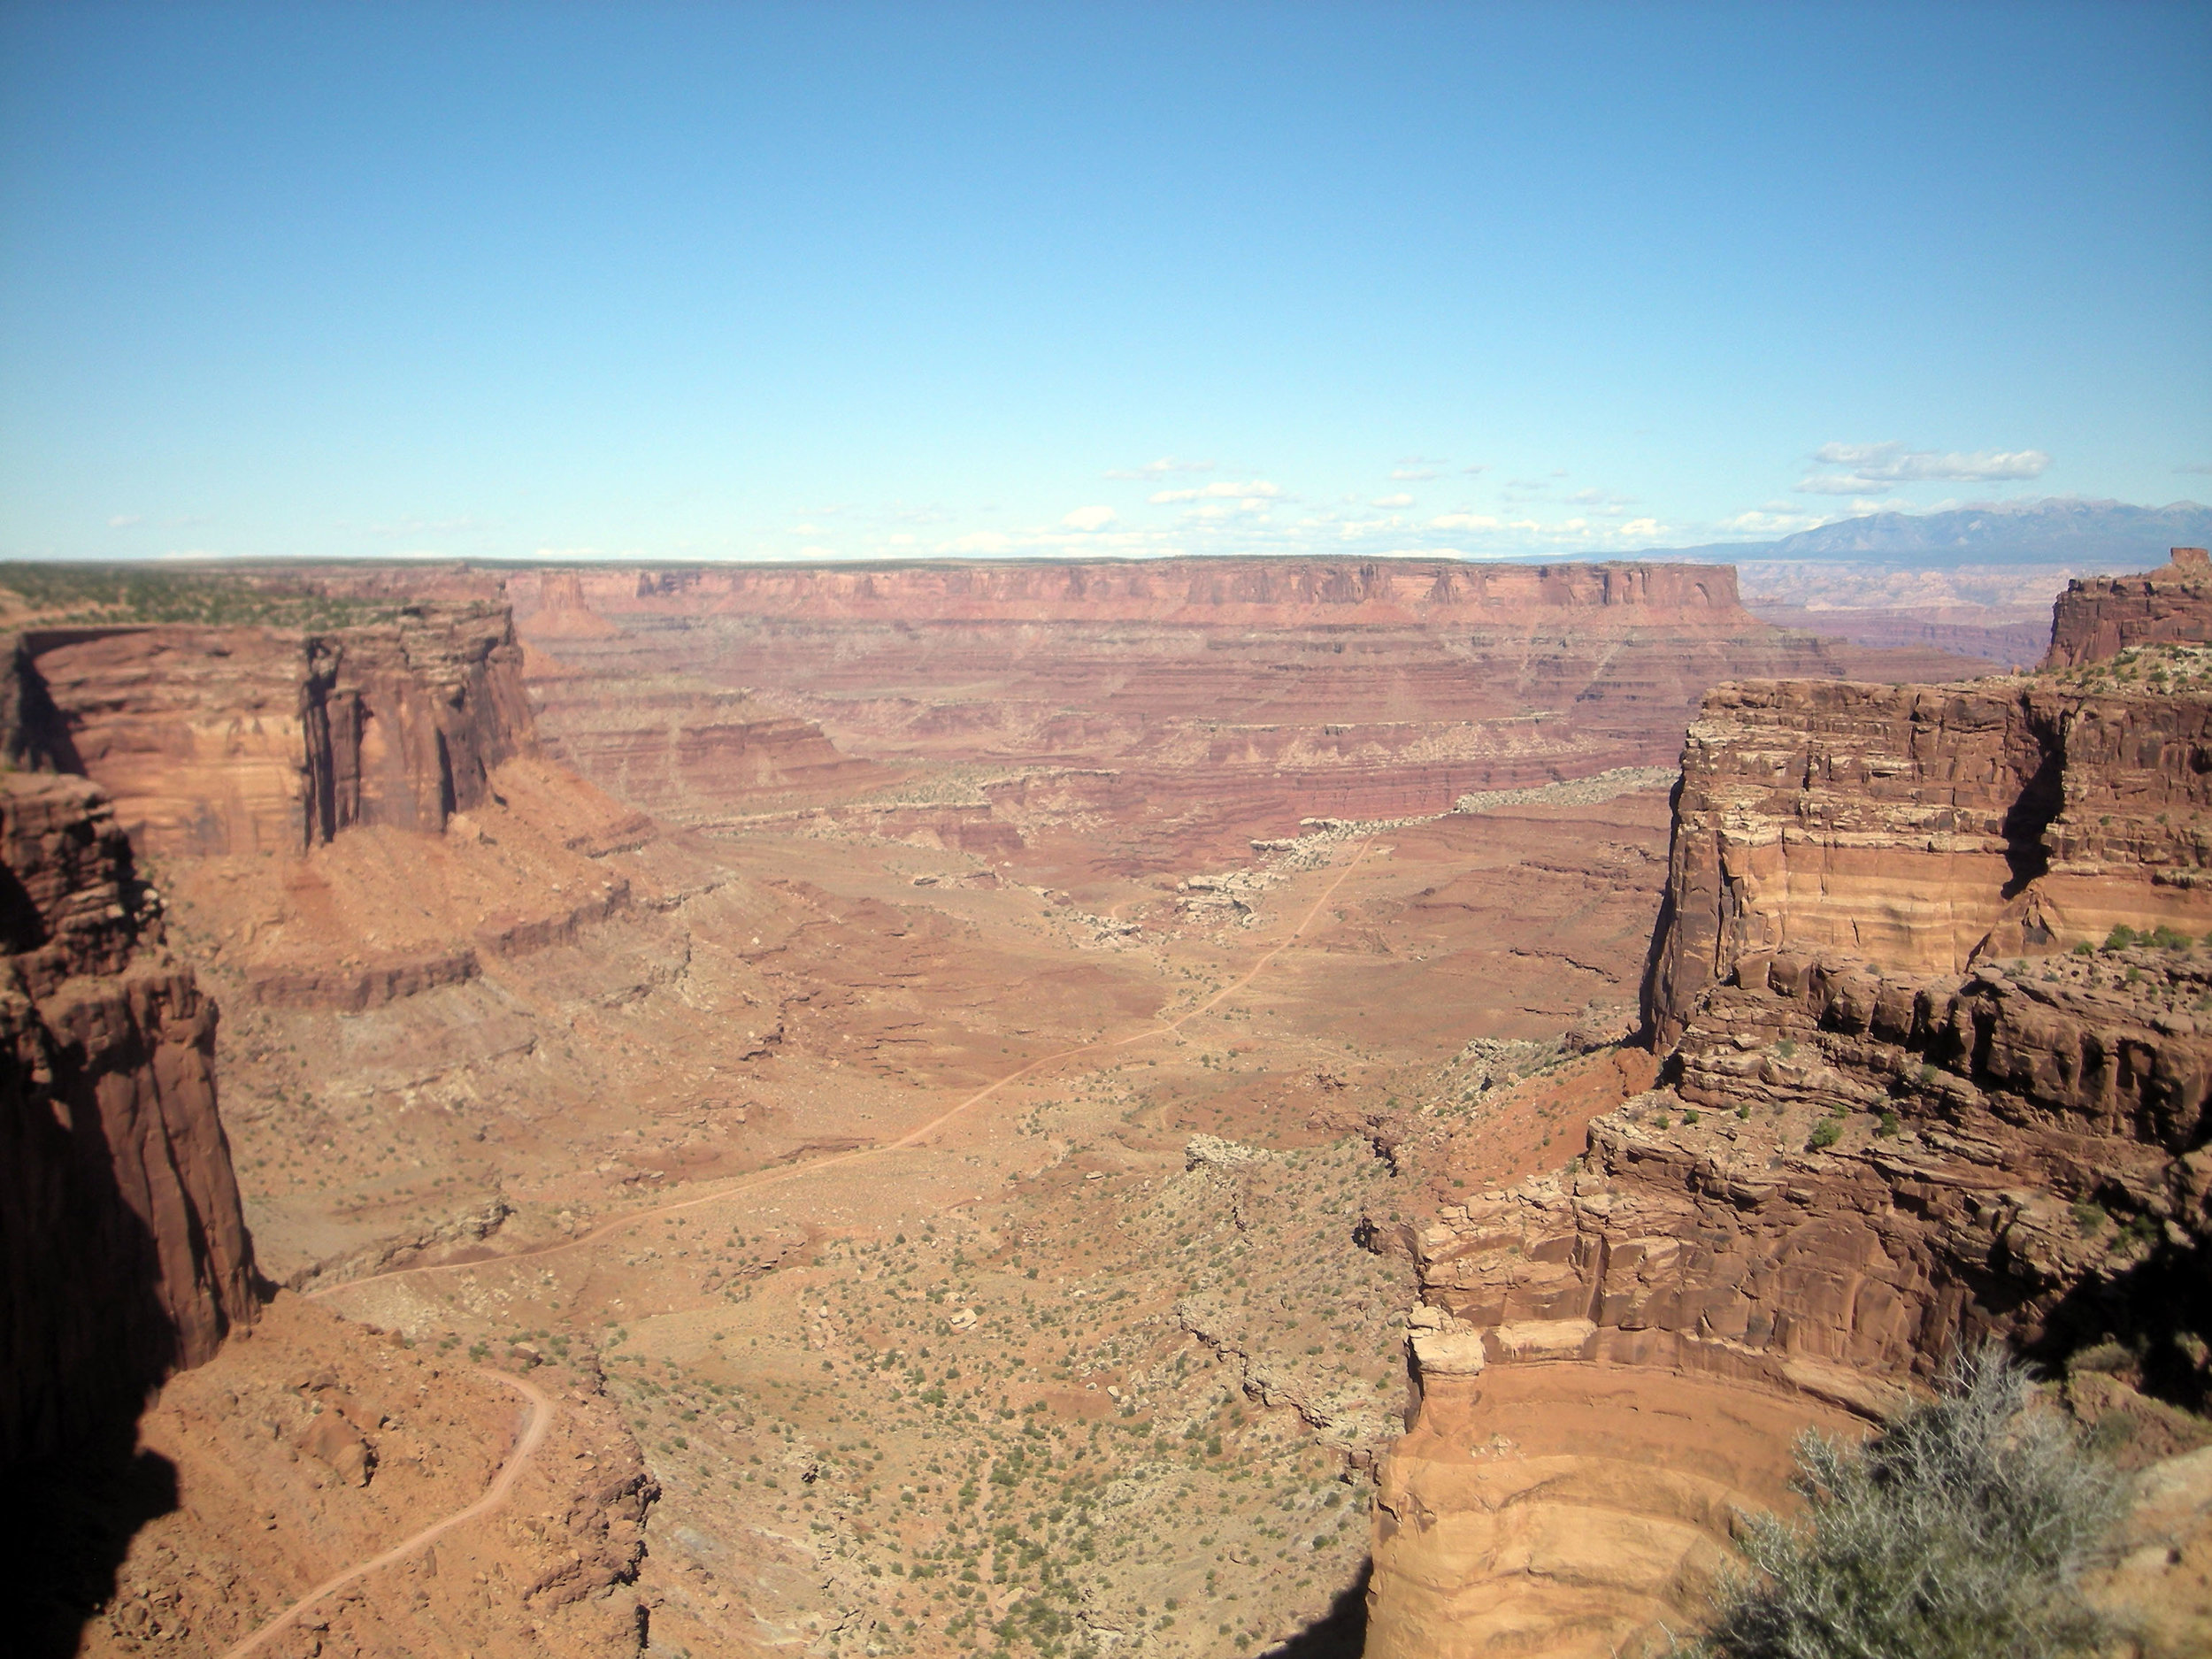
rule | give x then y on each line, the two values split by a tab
1905	1102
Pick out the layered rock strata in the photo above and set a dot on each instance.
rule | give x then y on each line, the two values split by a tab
123	1248
1191	703
2099	616
217	740
1922	827
1907	1103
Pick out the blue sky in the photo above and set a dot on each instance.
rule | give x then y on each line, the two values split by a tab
838	281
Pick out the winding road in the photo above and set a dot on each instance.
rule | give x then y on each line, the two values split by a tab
534	1432
541	1408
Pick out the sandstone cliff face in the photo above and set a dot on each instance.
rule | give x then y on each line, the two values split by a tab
1900	1112
1921	827
2099	616
1202	700
1442	592
125	1252
403	723
218	741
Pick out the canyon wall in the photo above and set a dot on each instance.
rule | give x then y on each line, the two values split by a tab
248	740
1922	826
1228	591
1903	1108
1192	704
123	1252
2099	616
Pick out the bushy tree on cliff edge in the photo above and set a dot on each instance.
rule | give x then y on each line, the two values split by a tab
1961	1531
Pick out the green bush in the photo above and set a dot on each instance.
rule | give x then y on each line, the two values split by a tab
1959	1532
1825	1134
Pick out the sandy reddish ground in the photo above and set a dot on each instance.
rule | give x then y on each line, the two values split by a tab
1017	1376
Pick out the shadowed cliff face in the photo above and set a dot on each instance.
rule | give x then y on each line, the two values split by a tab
1899	1112
217	740
123	1252
126	1251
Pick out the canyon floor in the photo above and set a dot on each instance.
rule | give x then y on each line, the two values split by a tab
851	1139
862	1173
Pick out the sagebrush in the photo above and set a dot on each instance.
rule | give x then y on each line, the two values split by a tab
1960	1532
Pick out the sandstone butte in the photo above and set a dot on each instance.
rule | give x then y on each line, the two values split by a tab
1894	1107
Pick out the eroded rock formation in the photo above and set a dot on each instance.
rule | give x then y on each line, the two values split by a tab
257	740
1195	701
1921	827
1907	1103
2099	616
124	1253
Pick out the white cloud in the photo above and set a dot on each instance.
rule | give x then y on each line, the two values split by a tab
1256	489
1089	518
1869	467
1641	528
1161	468
1770	522
1412	474
124	521
1462	521
1479	467
1394	501
2201	467
980	542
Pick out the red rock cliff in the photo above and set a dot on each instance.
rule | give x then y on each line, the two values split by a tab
1921	827
2099	616
1226	591
246	740
123	1252
1901	1112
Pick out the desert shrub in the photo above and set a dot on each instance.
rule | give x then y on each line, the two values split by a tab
1959	1532
1825	1134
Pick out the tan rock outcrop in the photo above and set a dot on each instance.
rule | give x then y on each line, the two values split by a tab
1901	1112
1919	826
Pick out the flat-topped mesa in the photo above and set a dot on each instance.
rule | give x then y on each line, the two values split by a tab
1226	592
257	739
123	1249
2099	616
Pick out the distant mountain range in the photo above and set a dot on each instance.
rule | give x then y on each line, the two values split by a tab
2087	535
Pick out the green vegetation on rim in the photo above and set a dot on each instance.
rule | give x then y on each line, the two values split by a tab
1962	1529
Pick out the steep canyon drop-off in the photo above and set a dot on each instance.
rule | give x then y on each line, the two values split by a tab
477	1006
1901	1112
